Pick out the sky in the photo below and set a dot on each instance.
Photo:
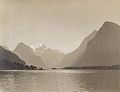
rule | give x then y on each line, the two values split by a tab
59	24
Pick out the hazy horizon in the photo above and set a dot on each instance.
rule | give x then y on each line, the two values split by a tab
59	24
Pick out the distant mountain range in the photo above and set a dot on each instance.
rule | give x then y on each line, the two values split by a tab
52	57
39	55
26	53
100	48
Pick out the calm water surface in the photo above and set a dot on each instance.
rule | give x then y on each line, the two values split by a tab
60	81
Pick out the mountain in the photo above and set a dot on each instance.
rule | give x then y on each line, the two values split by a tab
27	54
104	48
38	45
51	57
9	60
72	57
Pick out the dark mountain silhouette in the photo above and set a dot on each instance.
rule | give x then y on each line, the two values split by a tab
77	54
51	57
27	54
9	60
104	48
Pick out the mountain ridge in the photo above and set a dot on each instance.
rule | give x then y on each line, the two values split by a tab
72	57
104	49
52	57
26	53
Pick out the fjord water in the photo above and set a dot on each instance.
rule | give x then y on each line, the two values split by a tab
60	81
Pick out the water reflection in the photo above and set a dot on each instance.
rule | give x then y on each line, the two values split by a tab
59	81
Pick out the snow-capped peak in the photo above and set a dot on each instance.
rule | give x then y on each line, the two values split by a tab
38	45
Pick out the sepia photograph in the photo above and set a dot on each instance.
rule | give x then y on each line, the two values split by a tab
59	45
